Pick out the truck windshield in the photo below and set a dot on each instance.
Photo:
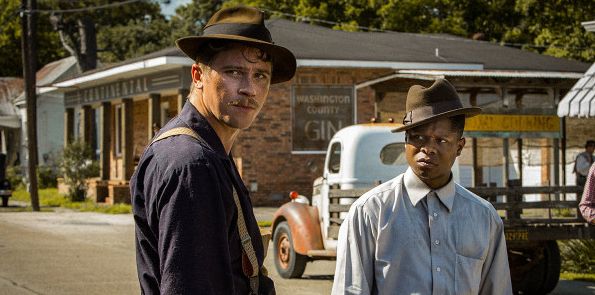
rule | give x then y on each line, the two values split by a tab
393	154
334	161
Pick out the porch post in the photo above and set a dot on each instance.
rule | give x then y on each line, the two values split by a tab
87	124
68	126
104	156
154	113
182	95
127	138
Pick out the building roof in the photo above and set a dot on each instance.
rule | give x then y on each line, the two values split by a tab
9	89
315	42
580	100
318	46
61	69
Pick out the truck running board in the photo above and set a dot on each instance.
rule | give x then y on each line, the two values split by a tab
322	254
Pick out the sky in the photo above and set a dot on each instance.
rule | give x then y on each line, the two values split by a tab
168	7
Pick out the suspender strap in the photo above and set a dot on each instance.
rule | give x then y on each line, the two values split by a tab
247	245
176	131
246	240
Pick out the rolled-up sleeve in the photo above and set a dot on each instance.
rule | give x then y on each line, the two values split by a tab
587	204
354	273
495	274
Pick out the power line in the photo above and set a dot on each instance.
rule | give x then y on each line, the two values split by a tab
371	29
92	8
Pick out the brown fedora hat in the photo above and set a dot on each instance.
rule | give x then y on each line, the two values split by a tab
425	105
244	25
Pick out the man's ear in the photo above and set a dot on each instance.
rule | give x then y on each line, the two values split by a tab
197	76
460	146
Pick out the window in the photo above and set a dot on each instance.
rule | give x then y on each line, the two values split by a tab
118	128
334	161
393	154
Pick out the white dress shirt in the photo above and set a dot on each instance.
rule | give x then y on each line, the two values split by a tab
404	238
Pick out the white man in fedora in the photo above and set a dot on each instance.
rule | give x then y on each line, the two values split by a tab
195	229
421	232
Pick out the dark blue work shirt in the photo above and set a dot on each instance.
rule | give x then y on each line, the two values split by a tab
187	239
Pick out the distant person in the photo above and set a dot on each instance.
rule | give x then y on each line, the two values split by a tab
421	232
196	232
583	162
587	204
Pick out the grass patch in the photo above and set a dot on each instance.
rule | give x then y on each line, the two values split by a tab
50	197
265	223
571	276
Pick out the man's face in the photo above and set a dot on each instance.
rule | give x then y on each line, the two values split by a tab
590	149
234	86
431	151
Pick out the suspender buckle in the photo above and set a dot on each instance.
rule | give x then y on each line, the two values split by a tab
246	240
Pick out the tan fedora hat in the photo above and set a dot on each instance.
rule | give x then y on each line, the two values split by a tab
244	25
425	105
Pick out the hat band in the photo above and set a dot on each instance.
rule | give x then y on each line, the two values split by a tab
254	31
427	111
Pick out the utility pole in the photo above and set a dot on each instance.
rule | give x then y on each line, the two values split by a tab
29	49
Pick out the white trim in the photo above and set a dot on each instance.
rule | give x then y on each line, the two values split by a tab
331	63
392	76
145	64
495	73
589	26
308	152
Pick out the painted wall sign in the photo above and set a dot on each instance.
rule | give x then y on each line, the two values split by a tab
127	87
318	113
513	123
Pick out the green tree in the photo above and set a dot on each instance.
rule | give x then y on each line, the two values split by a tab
77	166
48	42
192	17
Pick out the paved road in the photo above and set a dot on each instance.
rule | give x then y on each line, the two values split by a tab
89	253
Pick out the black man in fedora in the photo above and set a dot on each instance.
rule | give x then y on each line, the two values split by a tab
195	229
421	232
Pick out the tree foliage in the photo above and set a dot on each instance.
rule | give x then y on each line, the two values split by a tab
546	26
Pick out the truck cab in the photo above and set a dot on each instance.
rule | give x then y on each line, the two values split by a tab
358	158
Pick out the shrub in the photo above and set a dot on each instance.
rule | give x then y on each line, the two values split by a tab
47	177
14	176
77	165
578	256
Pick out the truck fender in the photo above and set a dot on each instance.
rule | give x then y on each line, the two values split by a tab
304	225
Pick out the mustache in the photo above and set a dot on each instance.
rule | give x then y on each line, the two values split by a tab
244	102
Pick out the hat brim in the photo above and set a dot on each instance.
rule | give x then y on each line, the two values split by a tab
284	63
468	112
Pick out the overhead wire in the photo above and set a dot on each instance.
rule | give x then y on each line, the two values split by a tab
91	8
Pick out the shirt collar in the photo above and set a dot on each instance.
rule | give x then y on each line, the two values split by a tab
200	125
417	190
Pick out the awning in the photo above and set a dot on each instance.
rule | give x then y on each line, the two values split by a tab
580	100
10	121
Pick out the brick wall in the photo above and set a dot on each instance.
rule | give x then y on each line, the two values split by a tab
265	148
141	127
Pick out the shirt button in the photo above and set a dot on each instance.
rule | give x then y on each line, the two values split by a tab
438	269
435	214
436	242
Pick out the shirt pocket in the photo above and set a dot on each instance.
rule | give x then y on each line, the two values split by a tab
467	275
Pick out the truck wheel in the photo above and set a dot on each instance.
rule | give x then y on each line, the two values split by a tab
553	264
535	267
289	264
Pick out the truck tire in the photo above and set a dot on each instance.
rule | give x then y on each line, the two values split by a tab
289	264
535	267
553	263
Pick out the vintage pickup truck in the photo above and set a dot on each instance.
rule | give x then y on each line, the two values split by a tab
362	156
